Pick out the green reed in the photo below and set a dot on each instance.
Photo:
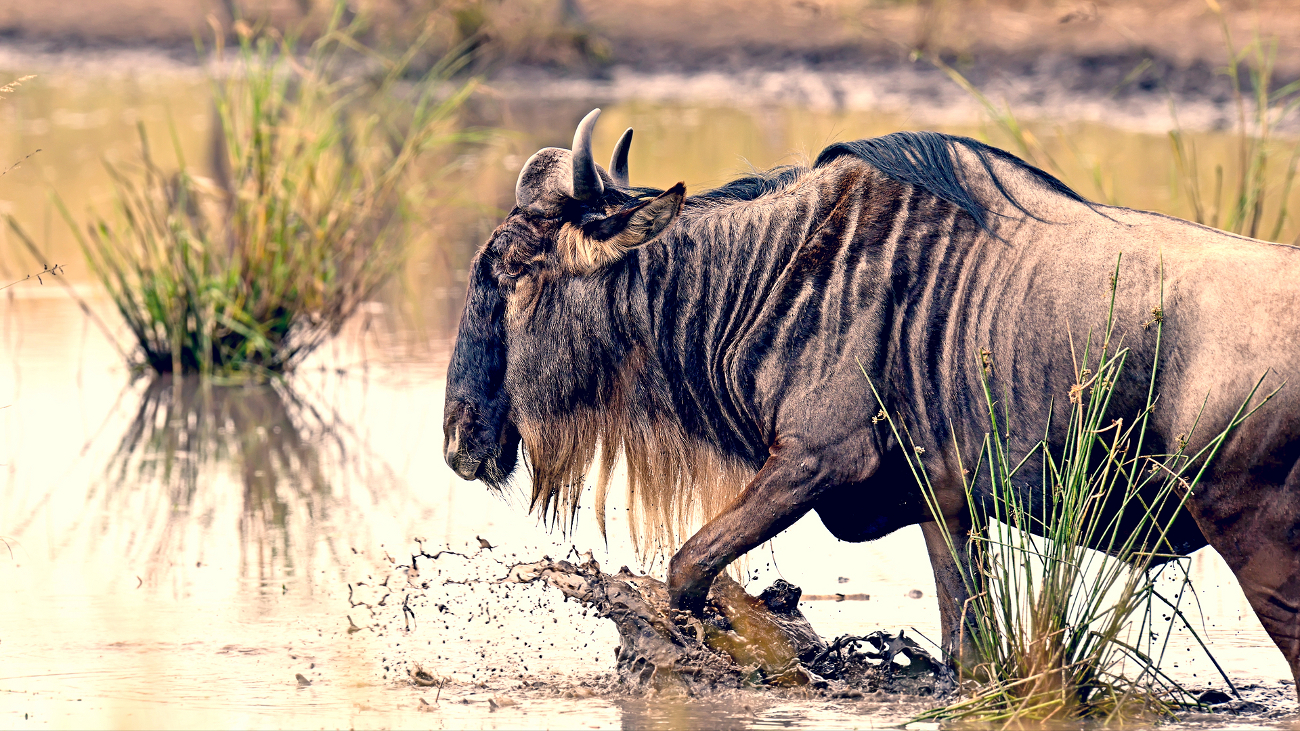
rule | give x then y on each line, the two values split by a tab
1062	631
320	160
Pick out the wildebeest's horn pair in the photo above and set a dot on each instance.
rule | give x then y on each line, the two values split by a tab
587	184
553	175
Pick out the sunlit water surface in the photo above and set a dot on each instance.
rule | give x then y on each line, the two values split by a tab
177	556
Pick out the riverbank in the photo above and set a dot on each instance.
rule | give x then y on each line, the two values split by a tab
1112	62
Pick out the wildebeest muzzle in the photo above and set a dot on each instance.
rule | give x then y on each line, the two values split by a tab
478	451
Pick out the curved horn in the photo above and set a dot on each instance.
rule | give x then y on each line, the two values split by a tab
586	180
618	161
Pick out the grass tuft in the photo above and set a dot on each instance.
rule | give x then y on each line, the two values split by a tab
1064	632
1250	195
1260	109
318	163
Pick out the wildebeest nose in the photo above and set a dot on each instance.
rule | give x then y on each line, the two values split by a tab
451	444
462	464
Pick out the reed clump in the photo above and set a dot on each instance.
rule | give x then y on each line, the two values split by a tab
320	160
1066	593
1260	109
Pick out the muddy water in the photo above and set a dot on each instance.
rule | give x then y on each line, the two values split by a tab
177	556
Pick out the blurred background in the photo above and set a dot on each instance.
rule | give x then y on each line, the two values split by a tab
179	545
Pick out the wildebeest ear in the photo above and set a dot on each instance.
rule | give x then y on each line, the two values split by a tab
636	226
597	244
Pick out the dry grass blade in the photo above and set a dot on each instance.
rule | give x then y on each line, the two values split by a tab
12	86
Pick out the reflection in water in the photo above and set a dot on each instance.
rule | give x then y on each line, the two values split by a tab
193	446
754	711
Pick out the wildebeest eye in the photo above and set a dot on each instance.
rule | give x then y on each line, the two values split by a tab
519	260
519	245
513	263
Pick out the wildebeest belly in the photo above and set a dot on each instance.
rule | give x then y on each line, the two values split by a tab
865	511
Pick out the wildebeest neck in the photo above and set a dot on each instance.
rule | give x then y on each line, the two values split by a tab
754	294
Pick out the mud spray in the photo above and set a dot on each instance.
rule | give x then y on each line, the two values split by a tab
467	626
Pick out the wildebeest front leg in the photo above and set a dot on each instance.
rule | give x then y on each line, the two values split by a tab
782	492
954	578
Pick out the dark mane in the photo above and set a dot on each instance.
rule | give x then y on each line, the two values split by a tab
926	160
755	185
747	188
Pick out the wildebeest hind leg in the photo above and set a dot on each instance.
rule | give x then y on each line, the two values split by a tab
1272	586
783	491
1253	527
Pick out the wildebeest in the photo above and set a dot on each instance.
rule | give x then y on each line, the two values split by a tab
714	342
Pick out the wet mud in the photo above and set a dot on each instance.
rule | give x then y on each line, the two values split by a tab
747	656
1249	700
741	640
